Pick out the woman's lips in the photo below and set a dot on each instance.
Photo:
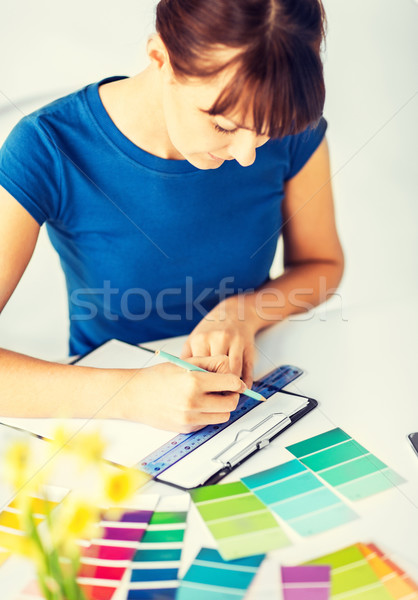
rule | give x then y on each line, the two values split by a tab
215	157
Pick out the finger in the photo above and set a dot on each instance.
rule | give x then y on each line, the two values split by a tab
219	343
212	419
215	364
217	382
235	354
188	428
199	346
217	403
186	351
248	365
218	377
196	419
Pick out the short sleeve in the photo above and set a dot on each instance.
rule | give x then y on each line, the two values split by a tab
303	145
30	168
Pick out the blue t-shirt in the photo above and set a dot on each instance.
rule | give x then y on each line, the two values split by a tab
148	245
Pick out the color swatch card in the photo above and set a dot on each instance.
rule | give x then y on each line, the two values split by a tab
212	578
404	576
105	561
344	464
396	581
240	523
31	592
4	555
11	527
352	577
299	498
306	582
155	564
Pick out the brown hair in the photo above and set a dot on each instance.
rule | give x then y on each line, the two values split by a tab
279	74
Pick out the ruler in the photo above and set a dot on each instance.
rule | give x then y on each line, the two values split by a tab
185	443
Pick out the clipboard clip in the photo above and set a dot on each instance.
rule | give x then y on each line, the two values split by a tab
248	440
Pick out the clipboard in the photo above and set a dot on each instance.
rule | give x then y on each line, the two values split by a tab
235	444
187	461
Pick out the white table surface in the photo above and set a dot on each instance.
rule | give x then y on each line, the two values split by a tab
360	364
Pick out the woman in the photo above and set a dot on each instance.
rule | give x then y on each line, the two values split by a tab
164	195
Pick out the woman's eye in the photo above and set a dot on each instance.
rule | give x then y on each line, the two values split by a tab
222	130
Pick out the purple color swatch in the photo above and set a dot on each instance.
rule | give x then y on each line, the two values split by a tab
122	534
308	582
137	516
131	516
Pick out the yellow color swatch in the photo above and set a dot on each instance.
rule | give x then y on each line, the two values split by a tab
39	505
15	542
13	520
399	587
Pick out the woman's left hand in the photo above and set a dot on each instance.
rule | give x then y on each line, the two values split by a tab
228	329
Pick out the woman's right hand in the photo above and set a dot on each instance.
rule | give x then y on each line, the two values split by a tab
170	397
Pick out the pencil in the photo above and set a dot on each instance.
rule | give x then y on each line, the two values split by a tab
186	365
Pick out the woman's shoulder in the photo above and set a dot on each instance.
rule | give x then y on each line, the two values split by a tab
296	149
71	108
40	125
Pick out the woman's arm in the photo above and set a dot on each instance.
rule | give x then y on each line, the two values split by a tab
314	264
31	387
165	395
313	257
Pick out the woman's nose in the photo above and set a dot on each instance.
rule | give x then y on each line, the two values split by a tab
243	148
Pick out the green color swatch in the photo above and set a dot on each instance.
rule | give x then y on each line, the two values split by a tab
164	518
352	577
212	578
344	464
155	565
300	498
240	523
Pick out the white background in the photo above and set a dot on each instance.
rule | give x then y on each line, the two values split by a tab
362	369
50	48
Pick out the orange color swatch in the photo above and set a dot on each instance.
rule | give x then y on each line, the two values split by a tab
396	581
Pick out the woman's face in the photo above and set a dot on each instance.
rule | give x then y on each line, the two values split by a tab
204	140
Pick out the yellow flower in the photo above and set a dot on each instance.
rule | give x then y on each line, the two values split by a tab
82	518
61	439
87	447
92	447
76	518
121	485
21	544
18	467
16	462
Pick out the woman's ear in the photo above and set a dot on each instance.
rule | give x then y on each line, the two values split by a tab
158	55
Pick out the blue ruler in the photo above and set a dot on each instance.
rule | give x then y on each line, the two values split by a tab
184	443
